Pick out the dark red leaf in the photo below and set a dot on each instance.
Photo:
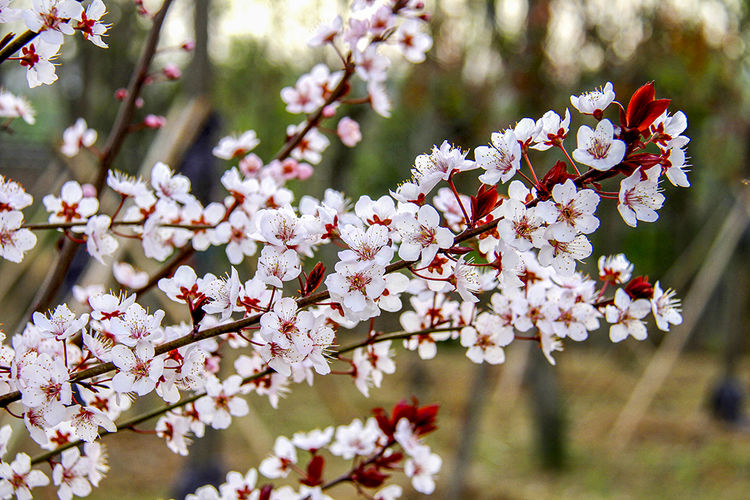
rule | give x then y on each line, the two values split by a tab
265	492
638	103
315	278
369	476
314	471
640	288
653	111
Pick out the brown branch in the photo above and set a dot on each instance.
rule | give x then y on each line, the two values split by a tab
129	424
16	45
59	270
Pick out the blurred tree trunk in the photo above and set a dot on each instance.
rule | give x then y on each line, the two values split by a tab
204	464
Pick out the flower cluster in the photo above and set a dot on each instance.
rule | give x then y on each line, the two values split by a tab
483	268
50	20
376	447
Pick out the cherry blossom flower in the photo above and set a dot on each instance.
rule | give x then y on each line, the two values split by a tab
18	478
90	26
168	185
52	18
501	160
379	99
673	166
223	294
46	388
422	237
412	41
464	278
62	324
311	146
99	243
221	402
86	421
70	475
356	287
8	14
277	465
237	232
366	246
390	492
239	486
12	106
666	308
128	276
571	212
356	439
615	269
640	198
126	185
520	228
598	148
486	338
77	136
137	372
174	429
561	255
305	97
136	326
625	315
370	65
314	440
71	206
440	164
526	130
421	468
13	196
14	241
233	147
348	131
37	60
326	33
276	266
552	130
594	102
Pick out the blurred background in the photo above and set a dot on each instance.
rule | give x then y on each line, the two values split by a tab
665	417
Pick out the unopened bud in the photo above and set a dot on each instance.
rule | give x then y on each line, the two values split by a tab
121	94
172	72
329	111
89	191
188	45
154	121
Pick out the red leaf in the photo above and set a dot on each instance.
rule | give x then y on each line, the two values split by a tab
314	471
558	174
652	112
369	477
636	107
640	288
315	278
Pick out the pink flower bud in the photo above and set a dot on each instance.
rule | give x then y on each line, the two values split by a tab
188	45
172	72
329	111
139	102
121	94
348	131
89	191
304	171
154	121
